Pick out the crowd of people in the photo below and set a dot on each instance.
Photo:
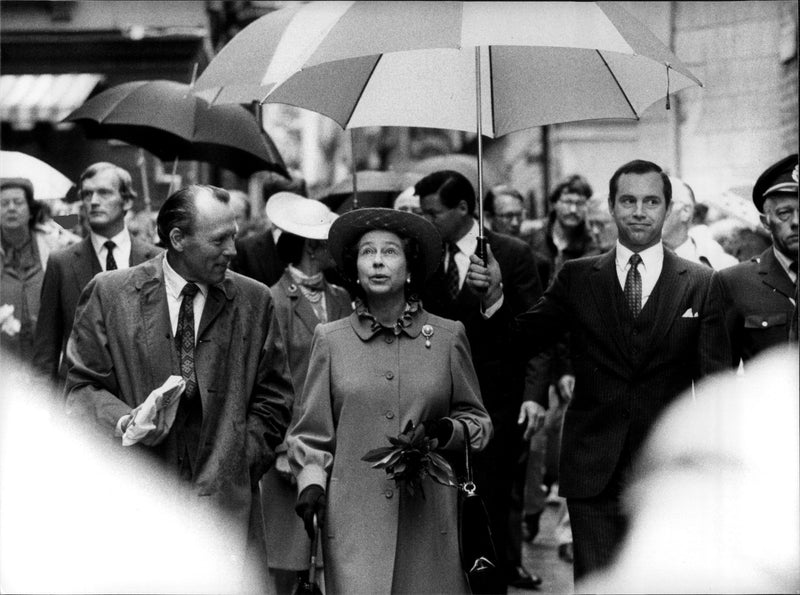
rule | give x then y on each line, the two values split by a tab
300	345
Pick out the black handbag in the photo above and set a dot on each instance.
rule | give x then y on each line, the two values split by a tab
478	555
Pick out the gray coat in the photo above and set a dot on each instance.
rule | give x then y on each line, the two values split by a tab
363	385
287	543
121	348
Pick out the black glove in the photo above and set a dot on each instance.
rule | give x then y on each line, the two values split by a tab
441	429
311	501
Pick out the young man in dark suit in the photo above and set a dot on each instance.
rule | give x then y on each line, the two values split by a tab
107	194
447	199
761	294
643	325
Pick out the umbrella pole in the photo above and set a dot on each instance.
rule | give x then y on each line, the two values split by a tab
353	167
481	250
142	163
172	177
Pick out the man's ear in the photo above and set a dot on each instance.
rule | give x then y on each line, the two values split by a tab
765	222
462	206
127	205
177	239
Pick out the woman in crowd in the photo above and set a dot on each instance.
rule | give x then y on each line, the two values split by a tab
388	364
26	239
303	299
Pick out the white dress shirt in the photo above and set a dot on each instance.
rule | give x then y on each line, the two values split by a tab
122	251
174	284
649	268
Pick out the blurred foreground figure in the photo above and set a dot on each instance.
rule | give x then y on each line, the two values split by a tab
78	517
185	314
703	469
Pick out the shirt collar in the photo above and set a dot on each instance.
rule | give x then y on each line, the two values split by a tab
469	241
652	257
122	240
784	261
174	282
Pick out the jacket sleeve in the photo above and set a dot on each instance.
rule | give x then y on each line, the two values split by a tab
268	412
92	388
50	325
466	402
312	440
713	346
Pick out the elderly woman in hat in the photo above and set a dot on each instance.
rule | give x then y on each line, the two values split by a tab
27	237
303	299
390	363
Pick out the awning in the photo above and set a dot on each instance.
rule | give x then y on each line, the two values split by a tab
30	98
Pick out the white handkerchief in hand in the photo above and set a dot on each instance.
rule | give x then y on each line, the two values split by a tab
165	398
689	314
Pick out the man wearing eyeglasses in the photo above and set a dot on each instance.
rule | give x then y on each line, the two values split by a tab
761	294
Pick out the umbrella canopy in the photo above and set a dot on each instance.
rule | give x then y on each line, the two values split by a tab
280	44
375	189
167	120
48	182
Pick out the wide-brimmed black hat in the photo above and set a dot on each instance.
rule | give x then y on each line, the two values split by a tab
348	228
779	179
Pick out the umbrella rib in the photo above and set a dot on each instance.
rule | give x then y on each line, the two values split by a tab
491	95
611	72
361	91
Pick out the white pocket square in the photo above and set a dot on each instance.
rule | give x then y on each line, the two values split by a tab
689	314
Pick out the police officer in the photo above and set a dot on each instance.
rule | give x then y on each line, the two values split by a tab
761	294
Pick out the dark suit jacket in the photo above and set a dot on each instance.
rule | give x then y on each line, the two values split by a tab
627	371
500	367
257	258
757	305
68	272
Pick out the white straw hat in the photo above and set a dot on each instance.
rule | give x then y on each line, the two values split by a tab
301	216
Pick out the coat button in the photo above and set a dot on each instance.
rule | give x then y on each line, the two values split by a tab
764	323
389	339
389	415
389	375
388	493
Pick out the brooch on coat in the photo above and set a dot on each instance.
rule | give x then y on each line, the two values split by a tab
427	332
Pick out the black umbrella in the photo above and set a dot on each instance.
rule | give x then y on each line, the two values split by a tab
166	119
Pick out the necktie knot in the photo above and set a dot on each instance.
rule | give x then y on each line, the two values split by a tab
635	259
110	245
190	289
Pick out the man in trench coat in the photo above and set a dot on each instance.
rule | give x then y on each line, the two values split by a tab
233	413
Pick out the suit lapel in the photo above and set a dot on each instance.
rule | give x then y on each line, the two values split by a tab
156	323
772	274
85	264
215	302
668	296
301	307
610	308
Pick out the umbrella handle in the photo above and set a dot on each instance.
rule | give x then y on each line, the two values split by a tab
312	570
480	250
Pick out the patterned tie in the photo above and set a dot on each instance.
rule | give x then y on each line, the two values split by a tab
184	338
633	286
111	264
451	275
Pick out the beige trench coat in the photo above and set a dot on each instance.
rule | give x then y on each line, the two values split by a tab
363	385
